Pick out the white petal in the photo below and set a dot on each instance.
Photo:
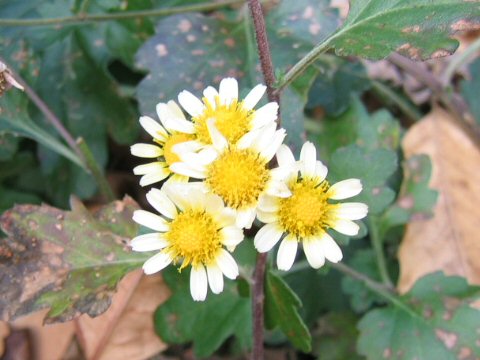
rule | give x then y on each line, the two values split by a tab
227	264
173	123
351	211
266	217
227	217
198	283
314	252
267	237
346	227
265	136
153	167
150	220
215	278
285	157
148	242
232	236
268	203
286	253
146	150
156	263
210	93
321	171
186	147
175	110
331	250
185	169
268	152
265	115
160	201
191	103
345	189
218	140
248	139
308	158
228	91
201	159
152	178
155	130
278	189
254	97
245	218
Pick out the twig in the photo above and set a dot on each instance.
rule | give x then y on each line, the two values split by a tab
259	274
264	50
83	153
83	18
458	60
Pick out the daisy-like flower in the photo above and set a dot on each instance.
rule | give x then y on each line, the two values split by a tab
238	174
234	118
193	230
307	214
175	130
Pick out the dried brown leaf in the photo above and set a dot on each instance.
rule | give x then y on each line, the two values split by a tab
4	332
449	240
125	330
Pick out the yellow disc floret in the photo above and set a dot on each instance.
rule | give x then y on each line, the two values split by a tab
307	211
238	177
168	154
232	120
194	237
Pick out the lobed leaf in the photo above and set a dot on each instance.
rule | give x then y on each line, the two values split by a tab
67	261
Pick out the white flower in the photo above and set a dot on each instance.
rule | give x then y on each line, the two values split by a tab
175	130
239	173
307	214
194	229
233	118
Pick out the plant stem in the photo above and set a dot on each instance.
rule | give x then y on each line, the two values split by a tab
85	18
258	295
378	248
264	50
376	287
458	60
96	170
82	151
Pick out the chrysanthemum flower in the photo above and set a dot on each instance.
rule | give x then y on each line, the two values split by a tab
307	214
175	130
194	230
234	118
239	173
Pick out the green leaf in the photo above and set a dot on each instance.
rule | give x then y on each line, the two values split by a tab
373	168
281	309
442	325
67	261
362	298
8	146
471	88
333	89
418	29
335	337
415	200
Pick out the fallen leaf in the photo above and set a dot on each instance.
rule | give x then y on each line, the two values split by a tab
4	332
125	330
48	342
449	240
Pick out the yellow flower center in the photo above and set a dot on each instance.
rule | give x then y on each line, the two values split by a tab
174	139
238	177
193	236
233	121
307	212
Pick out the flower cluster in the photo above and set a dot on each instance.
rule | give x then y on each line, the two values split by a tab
216	162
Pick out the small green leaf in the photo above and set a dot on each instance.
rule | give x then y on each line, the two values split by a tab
68	261
418	29
208	323
373	168
415	200
442	325
281	309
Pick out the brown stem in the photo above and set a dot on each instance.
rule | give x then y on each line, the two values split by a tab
258	295
264	50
